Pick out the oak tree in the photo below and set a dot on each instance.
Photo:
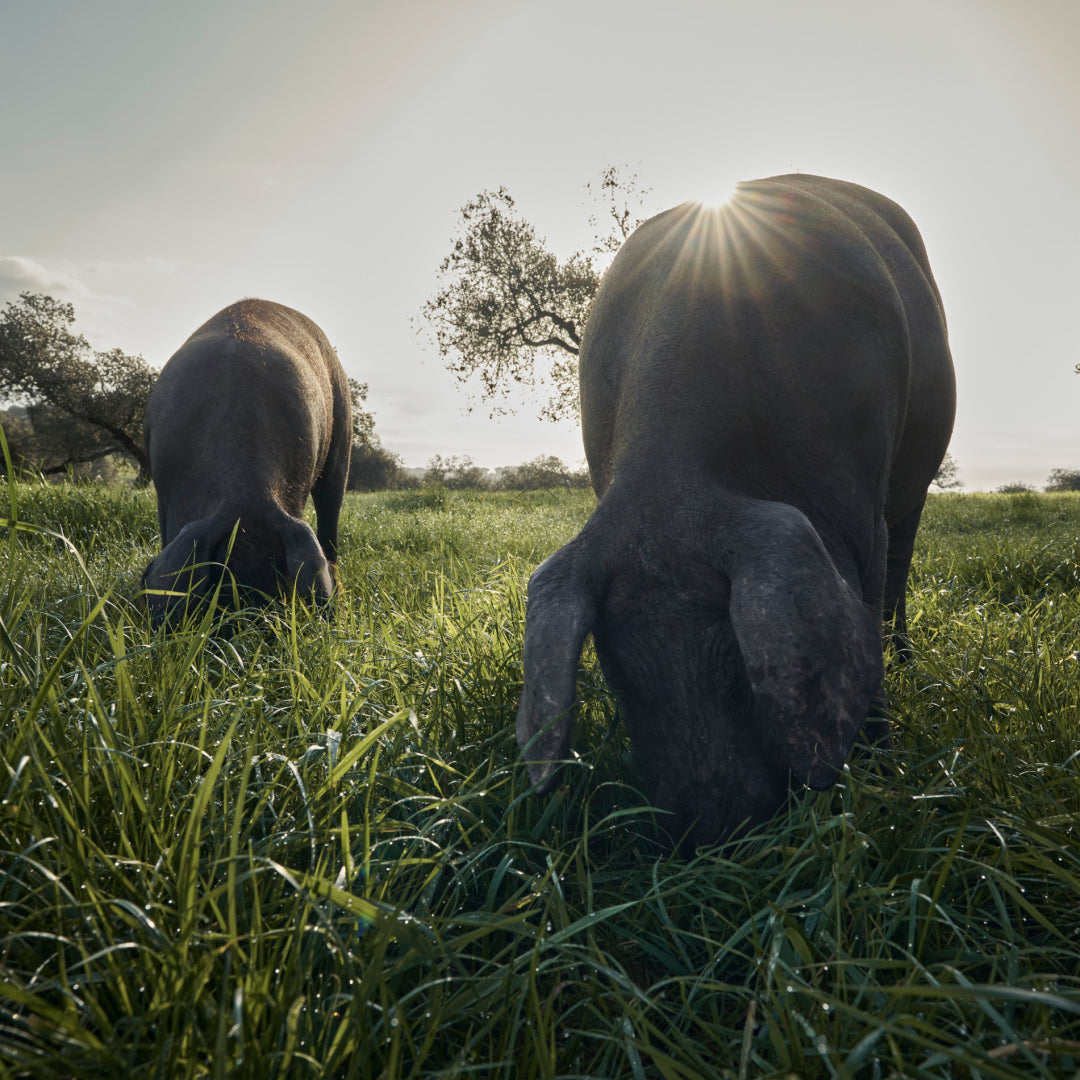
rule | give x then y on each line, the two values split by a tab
82	404
508	311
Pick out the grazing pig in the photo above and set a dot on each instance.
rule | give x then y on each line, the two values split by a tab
248	417
766	394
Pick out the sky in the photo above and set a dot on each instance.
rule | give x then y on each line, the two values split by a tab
160	159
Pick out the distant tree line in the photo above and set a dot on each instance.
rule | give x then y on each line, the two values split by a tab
381	470
948	479
1058	480
545	471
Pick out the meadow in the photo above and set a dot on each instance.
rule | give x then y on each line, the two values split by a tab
292	847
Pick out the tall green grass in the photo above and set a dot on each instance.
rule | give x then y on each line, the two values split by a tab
295	847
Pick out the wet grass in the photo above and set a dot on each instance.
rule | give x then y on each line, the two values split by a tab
307	848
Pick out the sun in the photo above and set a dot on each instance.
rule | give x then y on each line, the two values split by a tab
727	193
719	195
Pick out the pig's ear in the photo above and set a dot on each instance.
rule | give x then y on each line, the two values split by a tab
811	648
560	614
305	564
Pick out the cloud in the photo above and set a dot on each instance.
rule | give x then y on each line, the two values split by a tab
100	292
18	275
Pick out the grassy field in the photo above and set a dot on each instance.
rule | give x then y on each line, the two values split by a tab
307	849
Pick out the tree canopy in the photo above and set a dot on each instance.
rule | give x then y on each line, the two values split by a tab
545	471
456	473
82	405
947	477
363	421
371	466
1063	480
509	312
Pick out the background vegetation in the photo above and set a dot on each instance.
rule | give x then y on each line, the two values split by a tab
295	847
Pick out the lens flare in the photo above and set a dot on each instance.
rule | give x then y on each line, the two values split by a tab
719	196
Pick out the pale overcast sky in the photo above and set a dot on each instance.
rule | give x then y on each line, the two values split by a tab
163	159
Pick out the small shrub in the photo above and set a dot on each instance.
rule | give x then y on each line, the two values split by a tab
1063	480
545	471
